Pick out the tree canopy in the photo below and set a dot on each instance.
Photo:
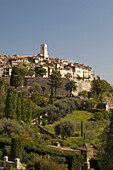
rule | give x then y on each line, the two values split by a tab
99	86
41	71
55	81
71	86
105	156
65	128
18	76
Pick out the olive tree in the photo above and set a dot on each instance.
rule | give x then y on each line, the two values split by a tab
65	128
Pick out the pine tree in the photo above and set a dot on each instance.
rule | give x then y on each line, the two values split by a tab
55	81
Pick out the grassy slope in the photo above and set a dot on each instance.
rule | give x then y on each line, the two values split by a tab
78	116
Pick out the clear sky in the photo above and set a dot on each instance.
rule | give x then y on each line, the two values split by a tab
75	30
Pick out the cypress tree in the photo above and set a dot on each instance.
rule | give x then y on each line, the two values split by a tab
11	104
29	112
16	148
81	128
106	152
24	110
18	110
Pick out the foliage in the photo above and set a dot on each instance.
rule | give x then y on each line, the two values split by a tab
65	128
3	92
70	86
36	87
8	126
105	156
73	159
22	92
87	104
43	89
68	76
38	112
43	163
41	71
16	149
38	99
100	114
100	87
84	93
55	81
30	72
11	104
62	107
18	76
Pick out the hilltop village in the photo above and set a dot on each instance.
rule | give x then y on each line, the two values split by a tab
49	118
42	60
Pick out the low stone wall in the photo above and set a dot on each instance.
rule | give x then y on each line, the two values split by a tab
43	131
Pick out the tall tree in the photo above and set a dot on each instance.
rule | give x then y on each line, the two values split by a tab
55	81
16	149
3	93
18	76
71	86
24	109
18	109
65	128
106	152
29	111
11	104
99	87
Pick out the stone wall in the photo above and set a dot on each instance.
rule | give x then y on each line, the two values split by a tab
81	85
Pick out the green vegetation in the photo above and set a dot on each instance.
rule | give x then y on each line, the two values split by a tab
16	148
91	128
18	76
73	120
99	87
55	81
41	71
70	86
65	128
104	158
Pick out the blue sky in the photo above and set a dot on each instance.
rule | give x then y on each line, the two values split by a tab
74	30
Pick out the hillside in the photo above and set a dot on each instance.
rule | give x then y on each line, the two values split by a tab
92	129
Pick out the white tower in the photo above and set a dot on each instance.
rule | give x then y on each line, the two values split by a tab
43	50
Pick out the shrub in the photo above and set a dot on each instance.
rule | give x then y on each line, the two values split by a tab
90	135
8	126
65	128
62	107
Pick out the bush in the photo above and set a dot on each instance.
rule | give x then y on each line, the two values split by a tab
98	116
62	107
8	126
65	128
74	146
91	135
38	112
1	154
